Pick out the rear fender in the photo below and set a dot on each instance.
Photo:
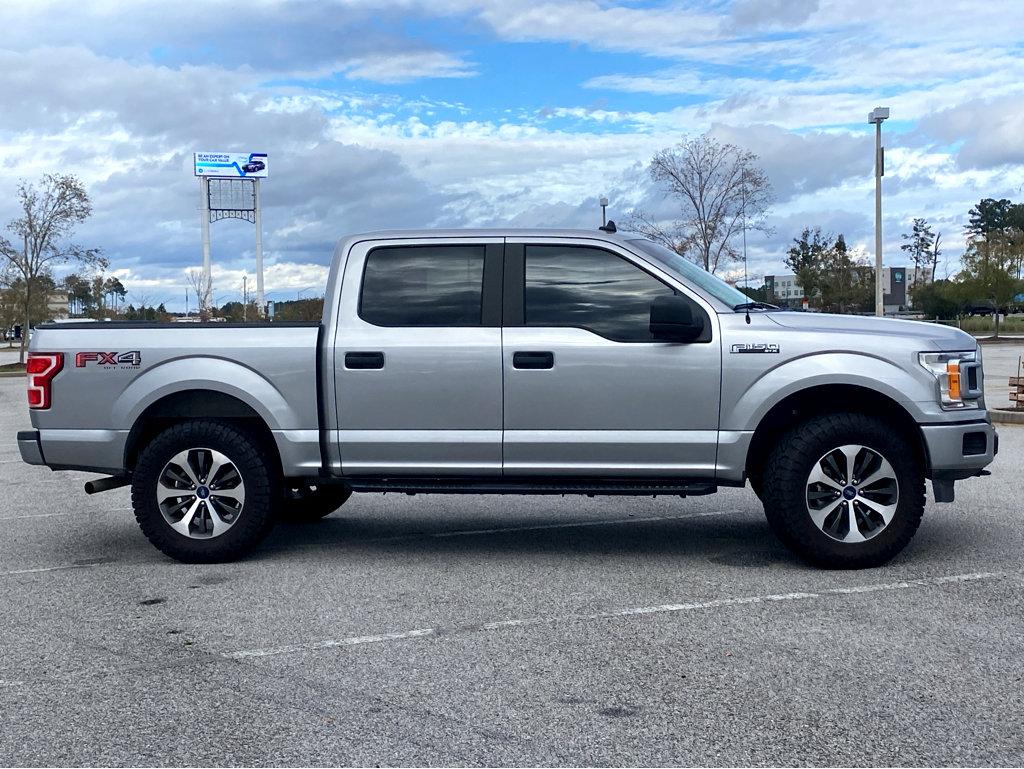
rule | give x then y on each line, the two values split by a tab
205	373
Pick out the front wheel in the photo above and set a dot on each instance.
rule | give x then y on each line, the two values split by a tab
204	492
844	491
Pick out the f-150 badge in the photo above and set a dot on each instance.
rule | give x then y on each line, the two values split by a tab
755	348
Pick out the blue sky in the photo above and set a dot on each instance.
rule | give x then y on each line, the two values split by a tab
407	113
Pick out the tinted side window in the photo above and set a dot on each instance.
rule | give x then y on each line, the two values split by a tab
423	286
592	289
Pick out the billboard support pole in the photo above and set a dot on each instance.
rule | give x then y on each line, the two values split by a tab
204	218
260	299
229	198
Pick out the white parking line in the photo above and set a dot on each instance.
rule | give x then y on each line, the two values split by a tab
325	543
573	524
622	613
331	644
64	515
35	515
41	569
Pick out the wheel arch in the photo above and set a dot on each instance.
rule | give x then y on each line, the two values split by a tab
829	399
197	403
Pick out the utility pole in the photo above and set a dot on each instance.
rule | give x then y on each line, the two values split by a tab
186	302
877	116
604	207
245	299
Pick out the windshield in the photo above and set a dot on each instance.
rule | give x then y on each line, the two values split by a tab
691	273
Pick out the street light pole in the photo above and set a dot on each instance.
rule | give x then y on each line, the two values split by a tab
876	116
743	181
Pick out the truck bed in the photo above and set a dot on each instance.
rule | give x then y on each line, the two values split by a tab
114	371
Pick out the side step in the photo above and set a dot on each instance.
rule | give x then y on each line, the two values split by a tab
588	486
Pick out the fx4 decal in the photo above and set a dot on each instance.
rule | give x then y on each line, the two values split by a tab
131	359
754	348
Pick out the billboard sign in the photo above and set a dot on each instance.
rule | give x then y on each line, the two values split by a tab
231	165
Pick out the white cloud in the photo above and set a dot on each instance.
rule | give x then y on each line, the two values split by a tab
407	66
989	131
122	94
663	30
758	14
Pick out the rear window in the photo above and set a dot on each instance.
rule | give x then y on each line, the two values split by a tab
423	286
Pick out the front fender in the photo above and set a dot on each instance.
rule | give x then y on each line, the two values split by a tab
750	402
205	373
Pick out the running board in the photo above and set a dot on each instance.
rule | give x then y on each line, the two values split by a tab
587	486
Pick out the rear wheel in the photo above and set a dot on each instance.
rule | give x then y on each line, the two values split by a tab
844	491
203	492
305	504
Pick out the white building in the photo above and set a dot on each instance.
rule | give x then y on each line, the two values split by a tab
896	285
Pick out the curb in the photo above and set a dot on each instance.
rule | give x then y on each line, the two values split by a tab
1007	417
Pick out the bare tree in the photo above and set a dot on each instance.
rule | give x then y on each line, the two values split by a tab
142	299
50	211
202	286
720	191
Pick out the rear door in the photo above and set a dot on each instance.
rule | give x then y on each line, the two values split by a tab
587	392
417	359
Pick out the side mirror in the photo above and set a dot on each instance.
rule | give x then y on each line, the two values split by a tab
672	320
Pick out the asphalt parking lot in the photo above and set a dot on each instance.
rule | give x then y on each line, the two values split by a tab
487	630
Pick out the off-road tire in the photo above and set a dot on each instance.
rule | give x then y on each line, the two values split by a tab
309	504
255	468
784	491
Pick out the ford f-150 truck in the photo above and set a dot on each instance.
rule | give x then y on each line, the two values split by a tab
516	362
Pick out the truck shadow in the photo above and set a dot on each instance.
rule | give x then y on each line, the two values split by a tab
734	539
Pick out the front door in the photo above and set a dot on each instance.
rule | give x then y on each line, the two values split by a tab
418	359
587	391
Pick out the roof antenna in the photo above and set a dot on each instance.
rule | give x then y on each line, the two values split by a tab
610	227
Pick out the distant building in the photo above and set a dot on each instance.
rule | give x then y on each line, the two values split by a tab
12	307
57	304
897	283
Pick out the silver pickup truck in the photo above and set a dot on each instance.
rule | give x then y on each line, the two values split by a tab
516	362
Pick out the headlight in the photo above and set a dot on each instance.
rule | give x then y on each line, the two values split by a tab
946	368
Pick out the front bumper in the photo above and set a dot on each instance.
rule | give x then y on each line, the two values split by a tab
28	445
957	451
960	449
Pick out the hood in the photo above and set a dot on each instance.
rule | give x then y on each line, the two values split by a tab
943	337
